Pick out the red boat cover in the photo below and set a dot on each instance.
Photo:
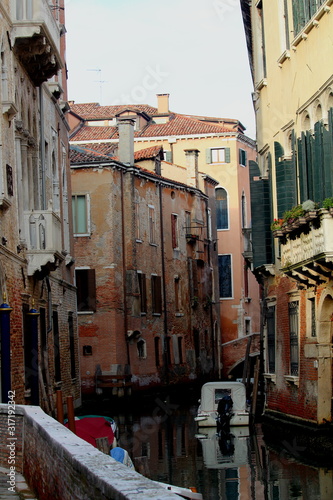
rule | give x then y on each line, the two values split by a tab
90	428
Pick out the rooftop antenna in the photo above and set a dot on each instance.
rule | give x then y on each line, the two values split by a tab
100	81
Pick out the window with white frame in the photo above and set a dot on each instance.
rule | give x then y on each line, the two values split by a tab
222	213
293	334
225	276
242	157
151	224
80	210
271	338
218	155
174	230
137	221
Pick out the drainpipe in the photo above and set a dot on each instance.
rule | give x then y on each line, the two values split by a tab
165	321
42	151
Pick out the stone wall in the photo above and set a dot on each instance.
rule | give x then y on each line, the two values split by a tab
57	464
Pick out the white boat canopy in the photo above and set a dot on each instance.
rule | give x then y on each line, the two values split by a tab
212	392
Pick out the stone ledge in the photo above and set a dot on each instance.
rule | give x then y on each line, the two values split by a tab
52	449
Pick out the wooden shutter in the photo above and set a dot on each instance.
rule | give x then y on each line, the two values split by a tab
227	155
262	241
156	289
285	173
208	155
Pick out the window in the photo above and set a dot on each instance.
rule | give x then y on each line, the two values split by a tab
188	222
180	349
87	350
271	339
225	277
261	35
137	221
156	294
303	10
56	347
174	230
143	292
80	214
168	350
222	216
157	350
313	317
293	332
86	289
151	222
141	348
177	295
218	155
243	209
71	344
242	157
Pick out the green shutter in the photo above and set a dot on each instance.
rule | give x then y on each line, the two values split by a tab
285	175
208	155
227	155
318	163
260	216
303	181
328	156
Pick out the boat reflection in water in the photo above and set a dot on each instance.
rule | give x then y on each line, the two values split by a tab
167	445
224	449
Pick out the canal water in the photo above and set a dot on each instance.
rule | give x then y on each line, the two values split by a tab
166	445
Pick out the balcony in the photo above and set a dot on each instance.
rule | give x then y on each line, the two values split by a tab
307	250
247	240
44	242
35	39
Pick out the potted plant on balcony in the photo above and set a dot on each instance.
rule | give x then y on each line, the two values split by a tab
310	209
328	204
277	227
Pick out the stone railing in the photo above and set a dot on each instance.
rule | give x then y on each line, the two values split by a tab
34	12
308	242
58	464
43	238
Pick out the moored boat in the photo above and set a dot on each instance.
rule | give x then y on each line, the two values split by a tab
213	394
92	427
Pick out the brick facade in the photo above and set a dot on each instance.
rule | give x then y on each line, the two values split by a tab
36	250
155	316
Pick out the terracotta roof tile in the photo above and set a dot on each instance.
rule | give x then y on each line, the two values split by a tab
180	125
146	154
87	133
91	152
90	111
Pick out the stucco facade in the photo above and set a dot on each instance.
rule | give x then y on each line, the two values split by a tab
224	154
291	57
39	348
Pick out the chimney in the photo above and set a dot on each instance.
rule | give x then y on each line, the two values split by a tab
191	156
163	104
126	141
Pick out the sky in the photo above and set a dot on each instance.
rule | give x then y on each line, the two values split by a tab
127	51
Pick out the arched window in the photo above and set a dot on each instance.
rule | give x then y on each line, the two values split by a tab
222	219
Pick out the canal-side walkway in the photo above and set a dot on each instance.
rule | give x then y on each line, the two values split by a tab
21	488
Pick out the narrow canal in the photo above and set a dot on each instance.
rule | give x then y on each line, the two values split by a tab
166	445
